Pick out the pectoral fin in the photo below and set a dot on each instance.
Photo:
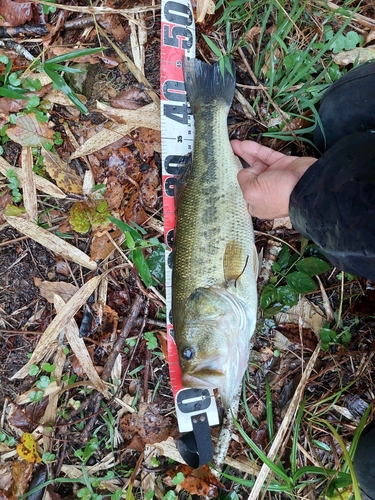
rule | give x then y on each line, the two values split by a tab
233	261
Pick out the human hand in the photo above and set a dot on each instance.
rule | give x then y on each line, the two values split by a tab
269	181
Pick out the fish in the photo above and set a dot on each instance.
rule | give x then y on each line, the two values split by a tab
215	262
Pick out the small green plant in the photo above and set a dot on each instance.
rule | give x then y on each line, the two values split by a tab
135	242
43	381
7	440
89	450
293	276
14	185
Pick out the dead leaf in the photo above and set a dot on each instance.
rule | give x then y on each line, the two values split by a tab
5	476
28	184
15	13
102	245
113	27
149	187
50	241
26	449
114	194
292	333
41	183
147	141
134	211
21	477
49	288
309	314
198	481
147	426
132	98
204	7
358	55
61	172
56	325
148	116
29	132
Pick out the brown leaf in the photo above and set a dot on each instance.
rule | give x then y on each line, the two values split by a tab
147	141
150	186
292	333
114	194
49	288
133	210
113	27
146	427
14	13
198	481
29	132
61	172
5	477
21	476
132	98
102	245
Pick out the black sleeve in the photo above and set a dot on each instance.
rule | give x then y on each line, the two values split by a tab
333	204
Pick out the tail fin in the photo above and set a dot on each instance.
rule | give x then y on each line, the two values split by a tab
205	84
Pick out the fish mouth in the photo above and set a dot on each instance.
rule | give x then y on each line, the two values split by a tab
204	376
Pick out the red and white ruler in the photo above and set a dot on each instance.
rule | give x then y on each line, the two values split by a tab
177	125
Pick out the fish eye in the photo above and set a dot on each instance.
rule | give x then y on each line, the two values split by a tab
187	353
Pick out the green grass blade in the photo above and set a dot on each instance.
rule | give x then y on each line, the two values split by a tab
61	84
275	469
73	55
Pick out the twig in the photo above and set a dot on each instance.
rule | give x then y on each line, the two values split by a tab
117	349
26	29
285	426
359	18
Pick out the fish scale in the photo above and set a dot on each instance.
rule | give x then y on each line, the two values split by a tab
214	251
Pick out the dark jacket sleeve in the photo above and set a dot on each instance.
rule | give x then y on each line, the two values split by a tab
333	204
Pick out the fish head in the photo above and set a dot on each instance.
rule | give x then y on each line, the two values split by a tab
213	341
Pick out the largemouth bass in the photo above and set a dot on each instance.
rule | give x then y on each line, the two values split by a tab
214	297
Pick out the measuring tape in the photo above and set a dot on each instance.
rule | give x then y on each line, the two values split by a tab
195	408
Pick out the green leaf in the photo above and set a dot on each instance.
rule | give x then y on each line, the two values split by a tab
352	39
156	263
125	227
178	478
47	367
284	256
268	296
43	382
286	295
74	54
61	84
33	370
9	92
313	266
300	282
142	266
212	46
151	340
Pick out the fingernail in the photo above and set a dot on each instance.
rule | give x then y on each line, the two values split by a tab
243	162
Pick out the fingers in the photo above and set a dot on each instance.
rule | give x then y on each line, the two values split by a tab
252	151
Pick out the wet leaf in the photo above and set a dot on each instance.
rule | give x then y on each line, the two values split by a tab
156	263
147	426
268	296
142	266
313	266
49	288
61	172
286	295
89	214
29	132
26	449
15	13
359	55
197	481
301	282
21	476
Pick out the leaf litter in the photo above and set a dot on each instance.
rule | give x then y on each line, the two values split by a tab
118	143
